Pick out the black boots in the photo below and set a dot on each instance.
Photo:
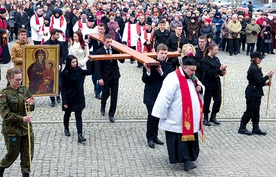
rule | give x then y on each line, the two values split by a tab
243	130
205	121
25	174
81	138
2	171
257	130
213	119
67	132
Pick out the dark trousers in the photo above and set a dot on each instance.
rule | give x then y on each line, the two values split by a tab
216	94
224	44
134	48
110	88
250	47
97	87
152	124
67	116
252	111
37	42
181	151
52	98
242	44
16	145
233	45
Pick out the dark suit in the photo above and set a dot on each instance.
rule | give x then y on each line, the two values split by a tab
153	84
91	65
109	72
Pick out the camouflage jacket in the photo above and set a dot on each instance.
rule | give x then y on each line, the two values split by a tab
12	109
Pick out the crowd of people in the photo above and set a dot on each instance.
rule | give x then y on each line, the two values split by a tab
197	31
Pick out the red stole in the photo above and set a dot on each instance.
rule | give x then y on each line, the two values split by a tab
37	21
187	109
61	22
148	48
43	30
3	25
129	35
80	24
139	44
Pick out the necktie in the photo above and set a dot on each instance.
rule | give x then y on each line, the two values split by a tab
108	52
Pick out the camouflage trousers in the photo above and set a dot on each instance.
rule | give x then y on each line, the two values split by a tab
16	145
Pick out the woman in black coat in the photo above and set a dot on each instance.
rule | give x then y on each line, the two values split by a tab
212	70
253	95
72	92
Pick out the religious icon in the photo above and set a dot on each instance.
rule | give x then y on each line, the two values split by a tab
40	69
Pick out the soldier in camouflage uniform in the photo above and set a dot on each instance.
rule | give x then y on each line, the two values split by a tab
15	122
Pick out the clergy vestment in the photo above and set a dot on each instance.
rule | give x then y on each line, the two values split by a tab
168	108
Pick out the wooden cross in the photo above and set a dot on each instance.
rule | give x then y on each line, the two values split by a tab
128	53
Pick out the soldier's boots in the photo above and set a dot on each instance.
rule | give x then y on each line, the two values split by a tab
2	171
25	174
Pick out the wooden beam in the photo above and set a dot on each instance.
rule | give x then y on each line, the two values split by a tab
141	57
109	57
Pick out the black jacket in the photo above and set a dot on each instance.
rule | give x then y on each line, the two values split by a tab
153	83
211	73
72	91
106	69
62	55
256	81
161	37
173	44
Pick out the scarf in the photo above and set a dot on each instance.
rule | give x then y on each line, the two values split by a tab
148	48
3	25
187	110
44	36
37	20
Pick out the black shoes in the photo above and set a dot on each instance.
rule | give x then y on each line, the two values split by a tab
98	97
25	174
158	141
206	122
81	138
244	131
53	104
258	132
151	143
189	166
67	132
102	112
214	120
58	99
111	119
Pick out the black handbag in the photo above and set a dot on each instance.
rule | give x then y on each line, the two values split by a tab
234	35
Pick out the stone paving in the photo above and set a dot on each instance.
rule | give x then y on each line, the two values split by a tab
120	149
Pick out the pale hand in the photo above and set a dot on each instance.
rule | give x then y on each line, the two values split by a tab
101	82
147	67
270	73
159	70
66	106
27	119
31	101
198	88
223	67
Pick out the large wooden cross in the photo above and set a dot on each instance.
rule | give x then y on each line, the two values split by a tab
128	53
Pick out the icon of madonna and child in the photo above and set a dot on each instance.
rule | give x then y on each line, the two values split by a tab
41	73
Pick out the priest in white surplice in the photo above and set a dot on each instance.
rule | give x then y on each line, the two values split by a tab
179	108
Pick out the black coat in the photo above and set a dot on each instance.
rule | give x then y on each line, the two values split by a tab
256	81
72	91
106	69
153	83
62	54
173	44
199	57
211	73
161	37
22	20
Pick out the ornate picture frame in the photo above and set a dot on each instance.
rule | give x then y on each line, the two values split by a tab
40	69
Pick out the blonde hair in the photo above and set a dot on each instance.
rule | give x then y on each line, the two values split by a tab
183	52
11	72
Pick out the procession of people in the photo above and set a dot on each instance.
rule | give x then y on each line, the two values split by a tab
177	92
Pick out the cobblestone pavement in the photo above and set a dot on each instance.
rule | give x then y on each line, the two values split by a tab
120	149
